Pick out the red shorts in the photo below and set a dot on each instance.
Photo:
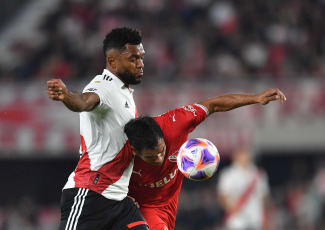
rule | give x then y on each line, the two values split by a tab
161	218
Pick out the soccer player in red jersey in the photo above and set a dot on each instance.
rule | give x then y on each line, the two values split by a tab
156	181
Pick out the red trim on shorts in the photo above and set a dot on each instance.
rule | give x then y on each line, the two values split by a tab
136	224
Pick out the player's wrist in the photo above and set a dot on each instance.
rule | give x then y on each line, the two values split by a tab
257	99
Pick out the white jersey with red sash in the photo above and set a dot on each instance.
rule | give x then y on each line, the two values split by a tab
106	161
246	188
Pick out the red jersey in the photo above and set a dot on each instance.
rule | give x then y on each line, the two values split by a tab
154	186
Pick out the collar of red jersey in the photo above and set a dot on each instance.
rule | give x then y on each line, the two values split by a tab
117	80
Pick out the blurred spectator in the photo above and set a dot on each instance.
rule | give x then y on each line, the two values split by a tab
243	191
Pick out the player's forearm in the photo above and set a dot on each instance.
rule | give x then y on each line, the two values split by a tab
77	102
228	102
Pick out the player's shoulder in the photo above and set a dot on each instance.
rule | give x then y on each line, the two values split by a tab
103	78
195	108
99	85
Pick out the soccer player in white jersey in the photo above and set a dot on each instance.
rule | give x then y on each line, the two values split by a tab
243	192
95	196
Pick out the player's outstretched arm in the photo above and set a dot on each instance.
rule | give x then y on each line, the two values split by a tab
232	101
77	102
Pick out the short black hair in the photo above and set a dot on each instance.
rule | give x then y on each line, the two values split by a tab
143	132
119	37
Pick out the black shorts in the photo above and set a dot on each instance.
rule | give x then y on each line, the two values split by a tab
83	209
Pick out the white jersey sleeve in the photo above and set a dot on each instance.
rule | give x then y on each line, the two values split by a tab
100	86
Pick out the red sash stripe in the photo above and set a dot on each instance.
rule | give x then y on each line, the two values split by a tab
137	223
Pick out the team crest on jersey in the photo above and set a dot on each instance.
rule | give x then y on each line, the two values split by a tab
173	157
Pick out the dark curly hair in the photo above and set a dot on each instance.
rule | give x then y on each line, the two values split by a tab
143	132
119	37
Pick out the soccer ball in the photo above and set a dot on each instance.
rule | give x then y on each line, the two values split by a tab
198	159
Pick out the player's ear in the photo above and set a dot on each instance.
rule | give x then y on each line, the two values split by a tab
112	58
111	62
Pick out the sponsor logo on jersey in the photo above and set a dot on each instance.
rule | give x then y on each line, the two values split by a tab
126	105
173	157
191	109
91	89
97	81
163	181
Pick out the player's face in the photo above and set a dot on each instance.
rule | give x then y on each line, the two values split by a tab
154	156
130	64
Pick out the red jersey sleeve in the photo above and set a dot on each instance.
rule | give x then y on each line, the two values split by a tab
183	120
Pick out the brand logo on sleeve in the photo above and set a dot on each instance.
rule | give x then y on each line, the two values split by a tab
107	78
191	109
126	105
91	89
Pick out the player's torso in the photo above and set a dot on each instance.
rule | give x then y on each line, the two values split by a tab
106	162
251	211
159	183
241	179
102	128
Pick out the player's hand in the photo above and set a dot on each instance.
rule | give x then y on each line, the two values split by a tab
56	90
136	203
271	95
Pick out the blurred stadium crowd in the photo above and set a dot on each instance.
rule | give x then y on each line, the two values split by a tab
194	49
201	40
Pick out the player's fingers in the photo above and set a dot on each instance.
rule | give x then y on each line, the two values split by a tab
52	82
136	203
266	100
132	198
273	98
281	95
52	85
54	89
54	95
52	92
49	82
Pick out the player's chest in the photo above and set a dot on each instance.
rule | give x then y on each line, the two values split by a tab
155	176
122	107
